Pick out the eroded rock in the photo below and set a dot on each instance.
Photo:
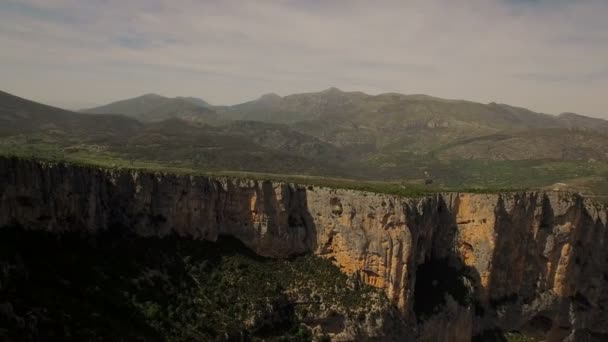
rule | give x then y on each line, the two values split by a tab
535	262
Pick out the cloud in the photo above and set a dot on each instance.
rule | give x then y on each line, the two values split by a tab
550	56
582	79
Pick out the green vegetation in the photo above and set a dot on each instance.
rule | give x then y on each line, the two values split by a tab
461	174
55	154
518	337
115	287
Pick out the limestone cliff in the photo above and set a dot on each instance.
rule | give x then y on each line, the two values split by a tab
455	265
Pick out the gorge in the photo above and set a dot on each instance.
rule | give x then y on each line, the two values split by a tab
454	266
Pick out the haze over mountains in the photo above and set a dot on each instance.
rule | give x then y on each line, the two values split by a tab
328	133
152	107
332	104
391	123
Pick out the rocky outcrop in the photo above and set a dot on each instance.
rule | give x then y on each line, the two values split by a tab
462	264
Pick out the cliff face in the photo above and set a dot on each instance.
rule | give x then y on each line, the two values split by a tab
455	265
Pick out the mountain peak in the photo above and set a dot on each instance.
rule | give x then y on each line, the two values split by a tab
153	107
194	100
270	97
150	96
332	90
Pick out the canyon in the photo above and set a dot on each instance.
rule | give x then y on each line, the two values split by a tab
456	266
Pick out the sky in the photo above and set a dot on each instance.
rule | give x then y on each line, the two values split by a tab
547	55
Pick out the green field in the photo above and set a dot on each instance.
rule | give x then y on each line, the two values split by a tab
447	176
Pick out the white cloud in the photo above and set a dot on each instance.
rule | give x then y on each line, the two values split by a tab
550	56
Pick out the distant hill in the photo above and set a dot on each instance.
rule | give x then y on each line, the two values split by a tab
581	122
283	138
294	108
362	122
216	148
153	108
396	121
333	104
19	116
40	129
195	100
560	144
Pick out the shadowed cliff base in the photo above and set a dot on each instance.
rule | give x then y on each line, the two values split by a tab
446	288
116	286
435	280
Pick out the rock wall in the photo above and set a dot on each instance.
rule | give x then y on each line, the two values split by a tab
535	262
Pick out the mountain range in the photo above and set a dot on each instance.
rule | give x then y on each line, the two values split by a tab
331	133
